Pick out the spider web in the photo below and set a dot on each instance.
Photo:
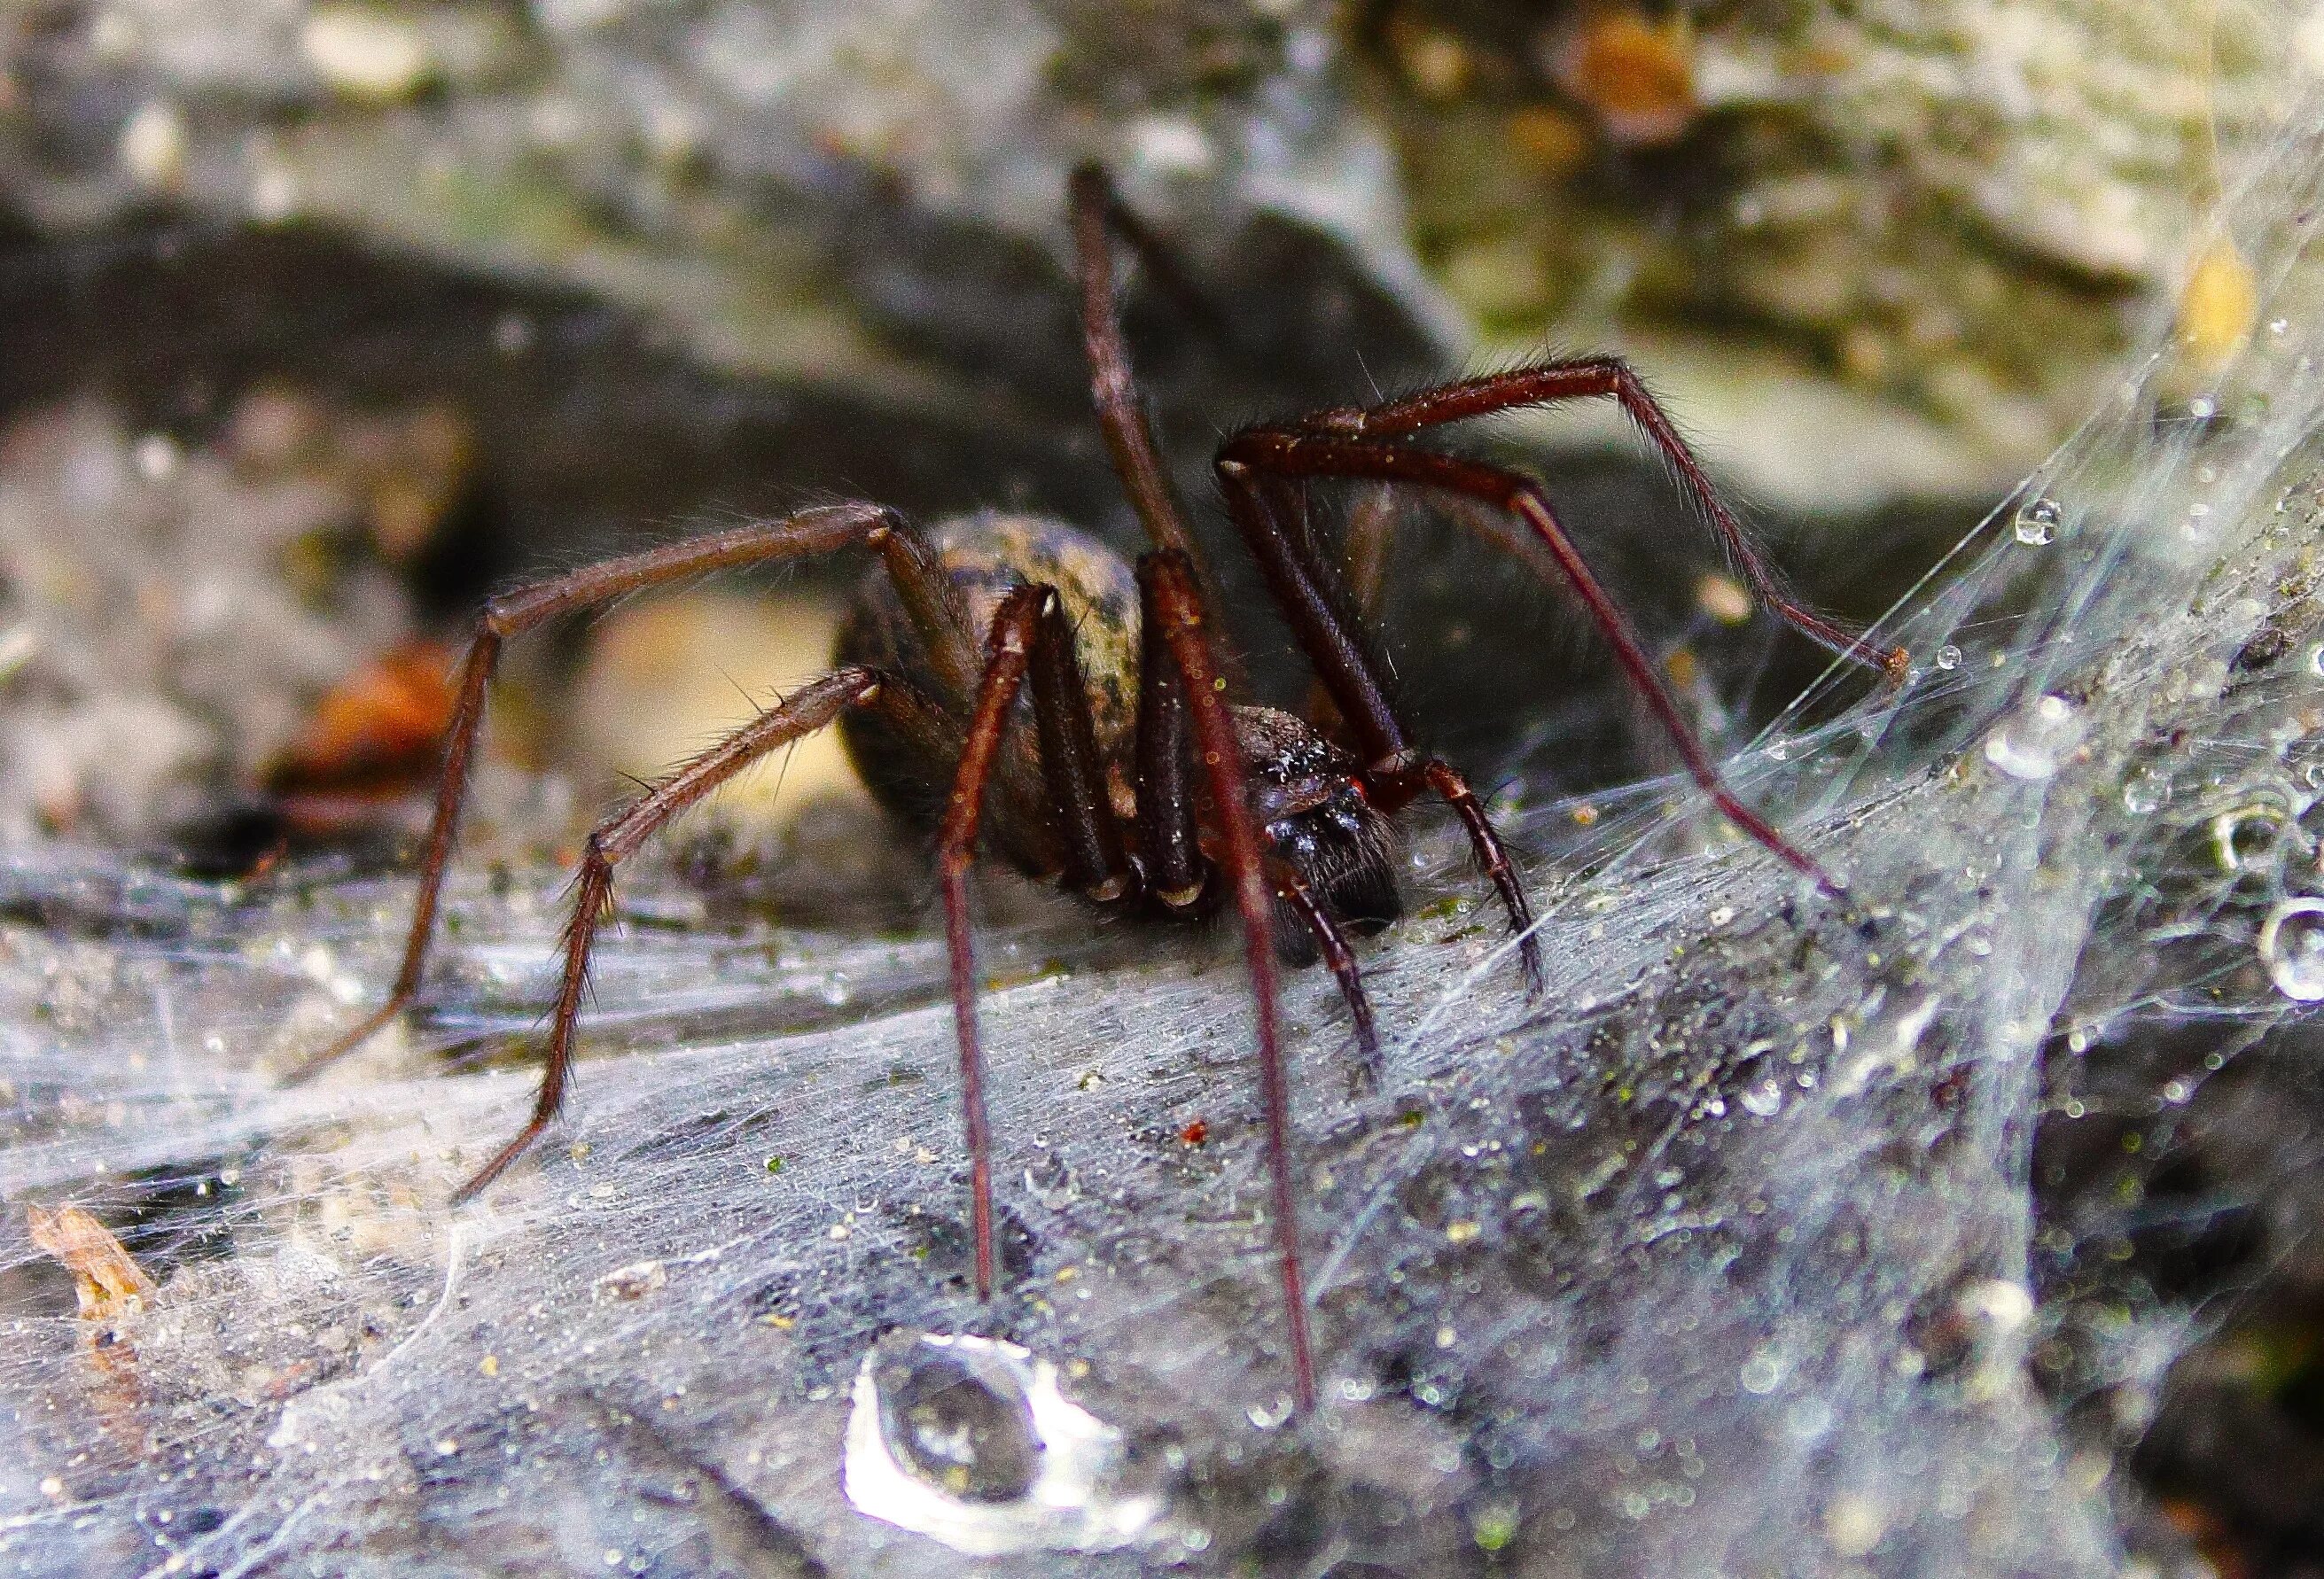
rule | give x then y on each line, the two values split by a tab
1727	1255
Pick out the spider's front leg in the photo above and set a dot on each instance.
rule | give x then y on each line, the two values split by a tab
1551	384
1190	687
1252	459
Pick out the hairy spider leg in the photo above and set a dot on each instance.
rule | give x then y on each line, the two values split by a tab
1113	388
1170	594
1314	454
511	613
1341	960
1169	840
1099	215
806	710
1173	866
1016	625
1548	383
1395	774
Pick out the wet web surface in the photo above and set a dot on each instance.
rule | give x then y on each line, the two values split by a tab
1722	1256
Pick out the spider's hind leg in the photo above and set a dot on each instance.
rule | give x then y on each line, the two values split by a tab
806	710
512	613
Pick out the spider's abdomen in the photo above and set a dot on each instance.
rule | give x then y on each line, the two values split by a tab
984	556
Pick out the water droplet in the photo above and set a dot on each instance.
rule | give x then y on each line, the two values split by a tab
2247	836
2030	744
2292	947
968	1440
1948	656
1765	1100
956	1429
2037	520
2145	790
1761	1374
835	990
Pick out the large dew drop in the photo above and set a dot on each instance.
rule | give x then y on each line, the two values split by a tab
969	1441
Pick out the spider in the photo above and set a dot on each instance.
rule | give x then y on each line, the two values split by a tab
1019	665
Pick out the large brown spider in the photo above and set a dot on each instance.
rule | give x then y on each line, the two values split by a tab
1145	784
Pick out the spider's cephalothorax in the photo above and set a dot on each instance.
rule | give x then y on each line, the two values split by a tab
1015	661
1307	796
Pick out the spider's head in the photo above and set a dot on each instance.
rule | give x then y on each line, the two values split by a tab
1314	816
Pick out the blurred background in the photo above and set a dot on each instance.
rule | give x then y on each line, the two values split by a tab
361	309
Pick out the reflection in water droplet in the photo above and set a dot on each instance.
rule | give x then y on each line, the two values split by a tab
1948	656
2247	836
1765	1100
969	1441
958	1432
2292	947
2037	520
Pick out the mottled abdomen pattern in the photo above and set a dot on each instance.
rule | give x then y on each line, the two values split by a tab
985	555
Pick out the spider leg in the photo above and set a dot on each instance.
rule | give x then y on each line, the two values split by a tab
1344	662
1168	837
1597	377
513	612
1096	866
615	839
1016	630
1319	455
1341	959
1171	591
1099	215
1120	416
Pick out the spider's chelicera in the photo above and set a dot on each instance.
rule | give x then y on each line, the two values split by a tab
1014	675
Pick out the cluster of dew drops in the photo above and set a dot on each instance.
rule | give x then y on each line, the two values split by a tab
2266	837
2269	835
